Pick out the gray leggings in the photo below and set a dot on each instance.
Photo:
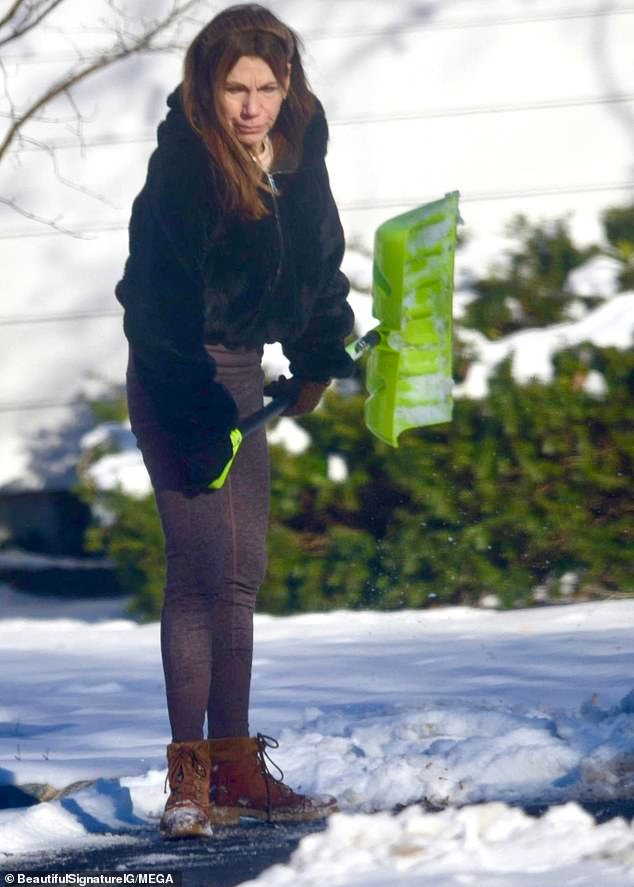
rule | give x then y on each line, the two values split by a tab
215	551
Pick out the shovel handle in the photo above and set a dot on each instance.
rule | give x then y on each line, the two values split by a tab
256	420
370	340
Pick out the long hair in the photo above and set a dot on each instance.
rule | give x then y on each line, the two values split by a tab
245	30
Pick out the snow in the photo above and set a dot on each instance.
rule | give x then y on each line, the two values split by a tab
506	847
596	277
611	324
290	435
337	468
115	435
123	471
468	708
595	384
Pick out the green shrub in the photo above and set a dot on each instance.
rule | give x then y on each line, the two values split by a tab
522	487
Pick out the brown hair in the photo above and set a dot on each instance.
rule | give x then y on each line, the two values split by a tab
245	30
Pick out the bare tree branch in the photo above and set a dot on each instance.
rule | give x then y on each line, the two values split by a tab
50	223
11	11
26	25
120	50
38	118
81	189
7	94
79	129
129	35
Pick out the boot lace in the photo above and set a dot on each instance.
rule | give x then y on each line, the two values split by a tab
185	772
263	743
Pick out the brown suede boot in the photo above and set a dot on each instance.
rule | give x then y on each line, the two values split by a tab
241	785
187	809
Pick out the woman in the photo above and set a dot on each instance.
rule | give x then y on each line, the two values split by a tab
235	241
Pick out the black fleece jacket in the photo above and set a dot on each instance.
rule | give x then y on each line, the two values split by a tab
196	274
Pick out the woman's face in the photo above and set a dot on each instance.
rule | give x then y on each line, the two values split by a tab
251	100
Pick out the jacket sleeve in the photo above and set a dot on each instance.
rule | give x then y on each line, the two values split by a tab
162	291
319	353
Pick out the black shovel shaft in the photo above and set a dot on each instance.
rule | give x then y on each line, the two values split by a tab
256	420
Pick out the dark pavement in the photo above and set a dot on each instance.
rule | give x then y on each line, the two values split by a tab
232	856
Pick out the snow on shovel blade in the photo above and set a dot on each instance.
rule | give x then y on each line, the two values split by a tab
408	374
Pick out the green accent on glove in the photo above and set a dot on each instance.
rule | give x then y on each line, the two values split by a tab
235	435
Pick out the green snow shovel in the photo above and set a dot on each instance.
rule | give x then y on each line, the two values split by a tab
408	375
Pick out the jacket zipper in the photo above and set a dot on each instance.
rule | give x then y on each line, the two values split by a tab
278	225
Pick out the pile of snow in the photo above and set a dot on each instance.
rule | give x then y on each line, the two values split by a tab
532	350
121	471
492	842
450	706
599	276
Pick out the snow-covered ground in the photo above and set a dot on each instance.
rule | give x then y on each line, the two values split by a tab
452	706
486	846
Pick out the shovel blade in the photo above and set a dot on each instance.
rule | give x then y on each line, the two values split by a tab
409	373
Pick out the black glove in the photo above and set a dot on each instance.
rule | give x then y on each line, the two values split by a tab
305	393
207	467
